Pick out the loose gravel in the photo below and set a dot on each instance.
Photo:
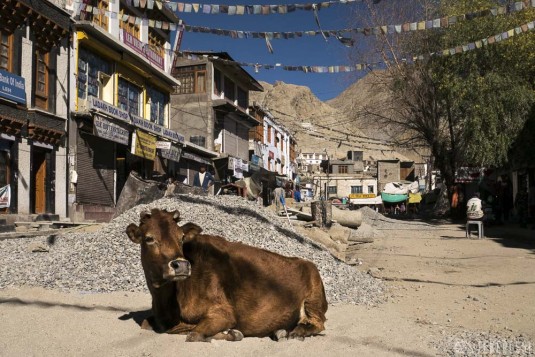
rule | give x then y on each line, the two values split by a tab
107	261
378	221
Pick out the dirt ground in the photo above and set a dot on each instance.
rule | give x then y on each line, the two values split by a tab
439	283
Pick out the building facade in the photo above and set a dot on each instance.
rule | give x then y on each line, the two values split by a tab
120	112
34	41
271	145
211	109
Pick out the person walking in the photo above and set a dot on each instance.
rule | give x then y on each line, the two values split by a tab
203	179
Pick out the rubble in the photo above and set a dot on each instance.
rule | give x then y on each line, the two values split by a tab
106	260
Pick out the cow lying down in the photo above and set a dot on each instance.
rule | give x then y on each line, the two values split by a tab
207	287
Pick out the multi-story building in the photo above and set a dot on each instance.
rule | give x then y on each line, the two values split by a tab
34	52
271	145
120	112
211	109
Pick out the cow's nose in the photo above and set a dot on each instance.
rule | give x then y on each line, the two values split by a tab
180	266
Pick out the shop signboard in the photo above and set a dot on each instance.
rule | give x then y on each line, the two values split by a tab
12	87
166	145
190	156
142	48
144	145
361	195
173	153
5	196
105	129
100	106
156	129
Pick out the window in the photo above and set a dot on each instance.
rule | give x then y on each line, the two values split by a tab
89	66
156	42
370	189
6	51
356	189
127	22
100	18
41	79
158	100
217	82
331	189
269	134
342	169
242	98
193	79
230	92
128	98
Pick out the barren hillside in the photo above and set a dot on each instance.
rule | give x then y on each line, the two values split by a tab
318	125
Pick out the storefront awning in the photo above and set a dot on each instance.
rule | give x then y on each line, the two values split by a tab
393	198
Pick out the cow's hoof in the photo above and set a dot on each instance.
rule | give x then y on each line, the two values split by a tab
196	337
280	335
235	335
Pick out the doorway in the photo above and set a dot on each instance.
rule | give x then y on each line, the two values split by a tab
5	173
42	176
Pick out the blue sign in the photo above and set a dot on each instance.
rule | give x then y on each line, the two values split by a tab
12	87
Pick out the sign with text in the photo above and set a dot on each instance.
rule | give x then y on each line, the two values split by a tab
103	107
142	48
12	87
173	153
166	145
362	195
190	156
156	129
144	145
105	129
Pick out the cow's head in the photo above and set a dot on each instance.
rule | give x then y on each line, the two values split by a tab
161	246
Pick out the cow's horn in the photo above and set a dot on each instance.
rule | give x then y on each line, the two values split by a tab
176	216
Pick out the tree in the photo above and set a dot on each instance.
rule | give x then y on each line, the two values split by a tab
467	108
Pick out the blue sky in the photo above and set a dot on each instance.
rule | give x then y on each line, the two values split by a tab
308	50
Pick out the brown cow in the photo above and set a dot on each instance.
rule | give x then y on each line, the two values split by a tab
209	287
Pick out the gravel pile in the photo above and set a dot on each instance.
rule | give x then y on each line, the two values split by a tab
107	261
476	343
378	221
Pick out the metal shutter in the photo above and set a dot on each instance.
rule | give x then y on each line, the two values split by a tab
95	167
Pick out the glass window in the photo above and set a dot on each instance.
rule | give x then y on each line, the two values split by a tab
370	189
331	189
41	79
6	51
100	18
158	100
129	97
156	42
342	169
356	189
89	65
193	79
129	24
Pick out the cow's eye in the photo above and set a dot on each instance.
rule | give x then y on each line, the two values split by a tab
149	240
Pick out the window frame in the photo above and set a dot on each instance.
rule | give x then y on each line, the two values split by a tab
131	28
150	93
139	96
357	189
372	189
332	190
190	75
42	97
343	169
10	50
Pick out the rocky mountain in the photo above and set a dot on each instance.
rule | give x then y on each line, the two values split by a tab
336	126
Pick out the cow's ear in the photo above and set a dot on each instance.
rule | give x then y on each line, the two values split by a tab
176	216
144	215
190	230
134	233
